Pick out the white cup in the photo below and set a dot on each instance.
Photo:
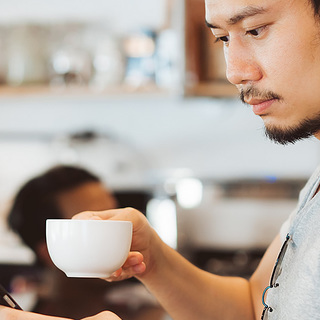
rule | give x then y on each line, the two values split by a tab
88	248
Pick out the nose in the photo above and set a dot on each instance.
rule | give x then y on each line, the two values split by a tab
241	65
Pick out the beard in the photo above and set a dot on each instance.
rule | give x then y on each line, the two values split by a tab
305	129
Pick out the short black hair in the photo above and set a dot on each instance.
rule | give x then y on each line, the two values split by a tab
315	4
36	201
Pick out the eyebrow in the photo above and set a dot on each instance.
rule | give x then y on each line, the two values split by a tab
245	13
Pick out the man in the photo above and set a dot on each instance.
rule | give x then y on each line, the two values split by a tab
272	49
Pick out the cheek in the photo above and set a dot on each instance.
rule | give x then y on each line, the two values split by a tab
277	58
284	68
296	59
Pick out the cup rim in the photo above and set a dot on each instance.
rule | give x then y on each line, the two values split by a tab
88	221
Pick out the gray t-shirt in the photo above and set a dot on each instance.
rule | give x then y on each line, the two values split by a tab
298	294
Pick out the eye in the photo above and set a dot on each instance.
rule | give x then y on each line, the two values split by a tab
223	39
256	32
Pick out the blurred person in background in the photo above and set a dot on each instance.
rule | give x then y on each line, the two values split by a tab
60	193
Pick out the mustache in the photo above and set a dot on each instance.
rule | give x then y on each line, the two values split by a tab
252	92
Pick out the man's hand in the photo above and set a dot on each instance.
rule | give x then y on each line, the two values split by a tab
139	261
13	314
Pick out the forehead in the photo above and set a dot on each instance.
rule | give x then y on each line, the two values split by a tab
234	10
87	196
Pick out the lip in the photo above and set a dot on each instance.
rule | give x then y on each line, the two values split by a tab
259	107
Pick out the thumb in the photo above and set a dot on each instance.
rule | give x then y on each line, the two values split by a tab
105	315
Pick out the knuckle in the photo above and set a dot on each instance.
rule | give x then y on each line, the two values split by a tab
130	210
108	315
133	213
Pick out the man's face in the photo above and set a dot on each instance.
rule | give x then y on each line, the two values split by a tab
91	196
272	51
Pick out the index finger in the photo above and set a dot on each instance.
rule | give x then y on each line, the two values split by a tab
95	215
124	214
